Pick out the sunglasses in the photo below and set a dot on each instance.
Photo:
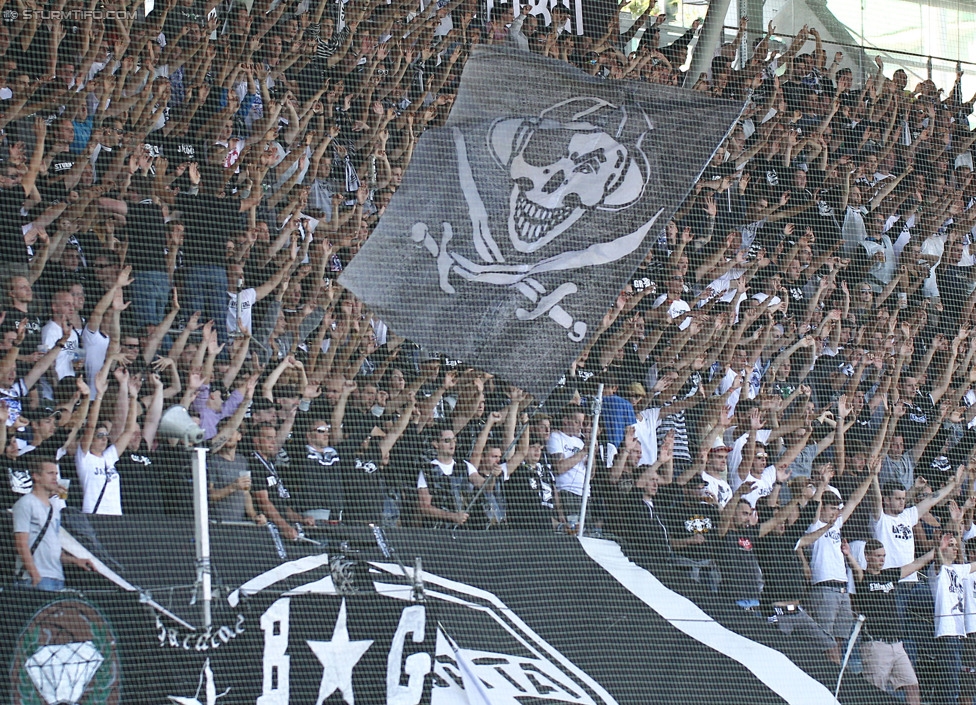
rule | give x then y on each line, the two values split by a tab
101	435
323	429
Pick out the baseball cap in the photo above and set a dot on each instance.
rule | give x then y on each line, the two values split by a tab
719	444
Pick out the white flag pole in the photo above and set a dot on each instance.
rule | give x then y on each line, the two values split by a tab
850	647
587	479
201	521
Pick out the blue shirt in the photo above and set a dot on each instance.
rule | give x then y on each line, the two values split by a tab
618	414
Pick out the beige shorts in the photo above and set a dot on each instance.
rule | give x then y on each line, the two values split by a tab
887	665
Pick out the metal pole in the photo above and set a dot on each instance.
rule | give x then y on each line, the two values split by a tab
239	306
597	409
708	41
742	8
847	655
201	521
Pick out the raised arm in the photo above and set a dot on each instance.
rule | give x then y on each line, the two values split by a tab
48	359
267	389
725	517
101	384
218	441
855	499
810	538
393	435
939	497
95	320
160	332
920	563
856	568
154	411
478	450
131	425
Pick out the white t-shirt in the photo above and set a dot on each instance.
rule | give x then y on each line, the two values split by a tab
734	459
446	469
826	558
50	334
969	602
949	591
645	431
773	305
96	346
762	488
676	308
933	245
717	488
248	298
897	535
562	446
751	384
94	473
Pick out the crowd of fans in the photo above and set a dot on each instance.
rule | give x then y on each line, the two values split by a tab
789	378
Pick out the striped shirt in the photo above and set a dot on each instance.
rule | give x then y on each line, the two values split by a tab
327	48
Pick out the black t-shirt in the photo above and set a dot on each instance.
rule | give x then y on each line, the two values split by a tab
406	458
179	150
741	576
32	336
795	291
645	278
313	478
208	223
918	412
875	599
12	247
685	521
782	571
175	466
938	462
772	174
155	144
265	476
145	229
140	483
954	285
641	530
529	496
363	484
52	187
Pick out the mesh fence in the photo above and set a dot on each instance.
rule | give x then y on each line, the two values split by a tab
331	375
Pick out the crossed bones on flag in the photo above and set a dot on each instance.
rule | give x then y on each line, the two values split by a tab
591	168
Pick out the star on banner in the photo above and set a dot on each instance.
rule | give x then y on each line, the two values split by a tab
338	658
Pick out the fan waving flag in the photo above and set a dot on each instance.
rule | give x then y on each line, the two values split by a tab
520	220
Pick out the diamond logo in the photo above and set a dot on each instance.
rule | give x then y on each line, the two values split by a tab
61	672
66	653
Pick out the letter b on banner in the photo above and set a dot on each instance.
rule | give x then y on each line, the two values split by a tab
274	624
